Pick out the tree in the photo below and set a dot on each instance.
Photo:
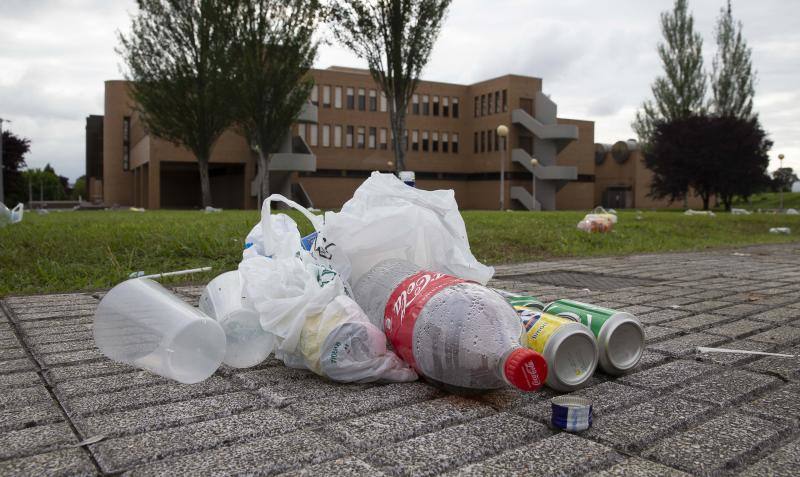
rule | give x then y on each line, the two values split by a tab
783	178
732	76
79	189
722	156
681	91
179	60
45	184
396	38
274	50
13	160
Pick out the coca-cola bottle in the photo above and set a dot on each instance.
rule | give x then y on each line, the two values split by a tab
456	333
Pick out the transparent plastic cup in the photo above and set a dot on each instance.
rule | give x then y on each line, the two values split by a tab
224	301
141	323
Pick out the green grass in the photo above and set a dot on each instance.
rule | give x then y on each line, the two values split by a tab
770	200
67	251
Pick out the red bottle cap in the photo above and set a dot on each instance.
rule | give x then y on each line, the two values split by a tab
525	369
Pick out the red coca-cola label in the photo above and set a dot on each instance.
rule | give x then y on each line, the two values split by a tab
404	306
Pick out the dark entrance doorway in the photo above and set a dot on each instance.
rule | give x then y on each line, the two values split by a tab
180	185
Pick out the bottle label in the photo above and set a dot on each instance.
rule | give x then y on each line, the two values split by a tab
404	306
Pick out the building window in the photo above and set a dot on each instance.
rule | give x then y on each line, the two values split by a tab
326	96
360	138
351	99
337	97
373	100
337	136
301	130
475	143
483	141
446	106
424	141
415	140
349	141
314	98
415	104
497	101
455	143
489	140
426	106
326	136
435	105
477	107
382	138
489	104
384	105
445	144
312	131
505	100
362	99
435	141
483	105
372	133
455	107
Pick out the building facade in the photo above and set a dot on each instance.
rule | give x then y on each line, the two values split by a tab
343	135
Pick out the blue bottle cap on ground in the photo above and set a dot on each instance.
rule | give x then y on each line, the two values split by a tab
571	413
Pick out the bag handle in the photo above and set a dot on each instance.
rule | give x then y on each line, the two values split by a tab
316	220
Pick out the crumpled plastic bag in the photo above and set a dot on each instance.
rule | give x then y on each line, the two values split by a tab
735	211
700	212
388	219
12	216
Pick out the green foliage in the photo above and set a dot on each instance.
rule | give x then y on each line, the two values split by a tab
274	49
68	251
783	178
681	91
732	77
45	184
79	190
396	38
178	56
12	162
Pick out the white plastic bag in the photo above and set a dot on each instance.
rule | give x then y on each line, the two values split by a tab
735	211
388	219
16	213
5	215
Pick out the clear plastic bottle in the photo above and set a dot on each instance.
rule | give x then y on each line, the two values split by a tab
453	332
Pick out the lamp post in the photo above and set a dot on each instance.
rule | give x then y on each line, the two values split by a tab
534	163
780	158
2	196
502	131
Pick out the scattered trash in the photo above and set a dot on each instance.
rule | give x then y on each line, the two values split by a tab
42	211
708	213
136	209
595	224
212	210
155	276
740	254
780	230
792	212
674	307
736	211
702	349
408	178
91	440
571	413
12	216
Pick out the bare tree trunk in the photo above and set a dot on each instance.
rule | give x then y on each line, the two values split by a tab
398	121
263	170
205	183
706	199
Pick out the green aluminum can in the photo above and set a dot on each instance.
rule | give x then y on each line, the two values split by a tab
619	334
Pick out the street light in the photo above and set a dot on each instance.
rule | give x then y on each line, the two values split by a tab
534	163
780	158
502	131
2	196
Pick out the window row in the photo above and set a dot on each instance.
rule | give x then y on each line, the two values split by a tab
376	138
486	141
491	103
372	100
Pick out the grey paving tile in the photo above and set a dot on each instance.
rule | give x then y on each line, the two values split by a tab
655	333
738	328
8	341
704	306
638	467
104	384
19	380
698	322
554	455
729	387
20	397
730	359
61	298
60	463
742	310
662	316
14	365
56	326
264	455
38	339
177	413
86	370
120	454
650	359
54	313
636	427
606	397
505	399
62	347
343	467
782	335
784	461
56	359
686	344
786	368
35	440
29	415
438	451
12	353
668	376
711	294
722	443
781	404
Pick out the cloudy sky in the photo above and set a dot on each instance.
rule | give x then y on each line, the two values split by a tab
597	60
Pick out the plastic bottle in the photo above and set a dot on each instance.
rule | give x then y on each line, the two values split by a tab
455	333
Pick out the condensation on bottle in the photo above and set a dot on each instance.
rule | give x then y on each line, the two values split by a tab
465	336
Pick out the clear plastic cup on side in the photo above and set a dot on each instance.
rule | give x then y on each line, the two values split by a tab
141	323
224	301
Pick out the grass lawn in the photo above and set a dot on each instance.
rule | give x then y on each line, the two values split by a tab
68	251
770	200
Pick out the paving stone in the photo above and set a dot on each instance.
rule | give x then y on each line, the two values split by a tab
13	398
344	467
698	322
56	359
662	316
54	313
704	306
62	347
606	397
9	342
730	359
13	365
104	384
786	368
117	455
87	370
637	467
649	359
738	328
265	455
438	451
782	335
742	310
710	294
12	353
62	298
148	395
406	422
58	337
176	413
655	333
633	428
507	398
35	440
56	326
781	404
784	461
60	463
686	344
69	309
667	376
729	387
29	414
722	443
562	454
18	380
